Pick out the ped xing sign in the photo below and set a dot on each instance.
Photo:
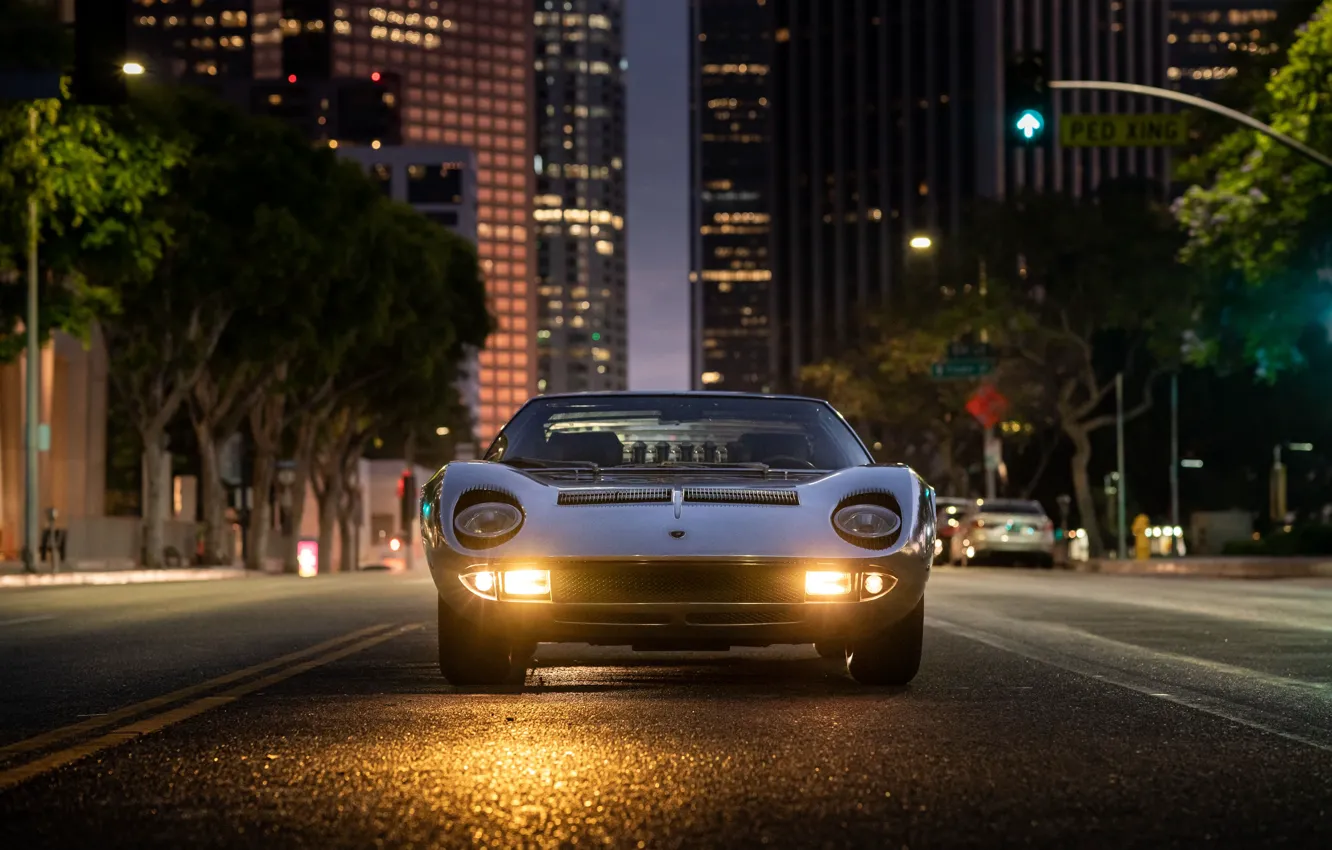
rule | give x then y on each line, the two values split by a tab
1122	131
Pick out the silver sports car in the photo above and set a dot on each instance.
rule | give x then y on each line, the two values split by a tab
686	521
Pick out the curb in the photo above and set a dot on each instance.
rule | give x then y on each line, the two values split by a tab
1239	568
120	577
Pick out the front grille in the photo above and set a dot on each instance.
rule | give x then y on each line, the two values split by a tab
720	583
741	496
743	618
631	496
611	618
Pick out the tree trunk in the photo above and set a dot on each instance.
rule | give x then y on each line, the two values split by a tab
1082	489
349	513
157	463
266	426
305	446
329	498
261	514
212	497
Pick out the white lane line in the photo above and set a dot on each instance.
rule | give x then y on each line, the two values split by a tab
1184	697
21	620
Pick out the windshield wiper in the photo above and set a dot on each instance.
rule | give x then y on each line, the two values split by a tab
543	463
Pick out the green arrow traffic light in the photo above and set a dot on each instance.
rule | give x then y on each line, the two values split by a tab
1030	124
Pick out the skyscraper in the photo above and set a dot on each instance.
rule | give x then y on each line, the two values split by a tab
1208	38
580	195
464	69
828	135
874	127
1121	41
730	211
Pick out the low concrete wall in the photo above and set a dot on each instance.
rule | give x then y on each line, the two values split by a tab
1257	568
116	542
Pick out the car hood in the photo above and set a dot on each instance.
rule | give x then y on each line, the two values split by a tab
710	514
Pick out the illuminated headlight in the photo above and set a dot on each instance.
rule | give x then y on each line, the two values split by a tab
874	585
527	584
481	583
488	520
827	584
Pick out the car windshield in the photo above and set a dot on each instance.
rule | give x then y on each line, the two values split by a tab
679	430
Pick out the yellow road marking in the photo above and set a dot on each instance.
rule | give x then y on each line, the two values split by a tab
14	776
55	736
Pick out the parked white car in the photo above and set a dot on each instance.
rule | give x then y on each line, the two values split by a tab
995	531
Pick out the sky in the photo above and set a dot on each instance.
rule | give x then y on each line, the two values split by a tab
657	223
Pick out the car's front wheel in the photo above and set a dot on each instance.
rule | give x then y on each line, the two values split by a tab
892	656
471	655
833	649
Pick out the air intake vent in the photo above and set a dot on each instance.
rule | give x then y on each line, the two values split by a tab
741	496
636	496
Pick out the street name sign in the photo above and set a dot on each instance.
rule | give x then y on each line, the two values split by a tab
962	368
1122	131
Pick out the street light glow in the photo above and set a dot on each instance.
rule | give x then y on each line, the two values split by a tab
1301	447
441	431
134	69
921	243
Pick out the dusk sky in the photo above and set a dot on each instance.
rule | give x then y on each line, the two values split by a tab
658	220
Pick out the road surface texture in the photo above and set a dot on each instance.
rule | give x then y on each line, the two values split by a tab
1053	710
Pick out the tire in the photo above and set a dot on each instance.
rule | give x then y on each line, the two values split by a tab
835	649
891	657
469	655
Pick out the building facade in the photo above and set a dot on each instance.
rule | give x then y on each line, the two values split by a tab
875	143
829	136
580	197
464	71
731	168
1209	38
1120	41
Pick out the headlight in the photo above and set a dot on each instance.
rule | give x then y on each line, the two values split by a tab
488	520
871	523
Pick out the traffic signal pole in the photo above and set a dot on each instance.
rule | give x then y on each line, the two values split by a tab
1200	103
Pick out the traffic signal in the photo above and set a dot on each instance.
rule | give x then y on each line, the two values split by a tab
1028	98
101	47
408	496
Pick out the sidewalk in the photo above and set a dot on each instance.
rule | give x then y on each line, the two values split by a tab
1209	567
112	572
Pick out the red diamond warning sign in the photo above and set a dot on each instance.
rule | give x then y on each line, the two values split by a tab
987	405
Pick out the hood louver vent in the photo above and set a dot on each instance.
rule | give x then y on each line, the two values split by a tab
615	497
741	496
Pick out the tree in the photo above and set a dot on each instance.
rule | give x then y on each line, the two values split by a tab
1083	290
238	239
1255	215
93	174
402	375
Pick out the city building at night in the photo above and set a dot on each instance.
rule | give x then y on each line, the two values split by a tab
827	136
1117	41
1208	38
731	163
875	141
580	195
463	73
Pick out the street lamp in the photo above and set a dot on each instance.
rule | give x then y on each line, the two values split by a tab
441	431
921	243
133	69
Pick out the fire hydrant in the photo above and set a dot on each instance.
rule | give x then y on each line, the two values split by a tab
1143	545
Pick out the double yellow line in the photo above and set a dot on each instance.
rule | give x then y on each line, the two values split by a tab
286	666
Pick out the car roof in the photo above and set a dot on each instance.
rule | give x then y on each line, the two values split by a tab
680	393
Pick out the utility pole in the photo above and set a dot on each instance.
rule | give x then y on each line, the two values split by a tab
1119	451
31	533
982	282
1174	449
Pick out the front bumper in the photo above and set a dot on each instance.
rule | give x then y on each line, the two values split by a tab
716	603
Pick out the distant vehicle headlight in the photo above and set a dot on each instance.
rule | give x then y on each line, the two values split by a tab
488	520
871	523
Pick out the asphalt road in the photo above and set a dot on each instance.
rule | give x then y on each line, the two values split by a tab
1053	710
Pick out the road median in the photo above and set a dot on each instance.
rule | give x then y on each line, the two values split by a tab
1219	567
